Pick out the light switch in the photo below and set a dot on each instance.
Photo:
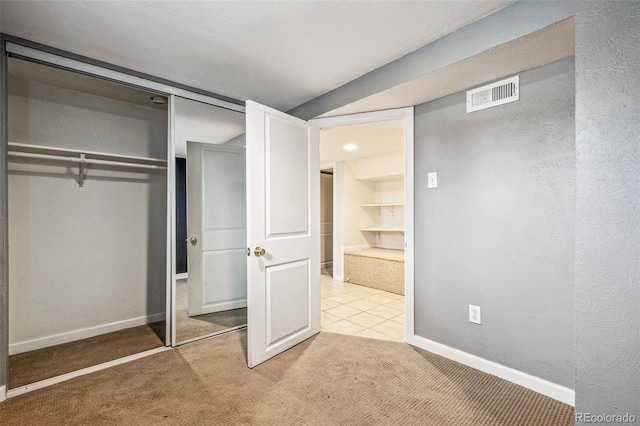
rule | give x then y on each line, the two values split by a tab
432	180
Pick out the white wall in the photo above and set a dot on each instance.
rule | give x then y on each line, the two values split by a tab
390	191
356	193
375	179
83	258
387	165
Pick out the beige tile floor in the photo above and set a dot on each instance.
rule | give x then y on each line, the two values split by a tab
361	311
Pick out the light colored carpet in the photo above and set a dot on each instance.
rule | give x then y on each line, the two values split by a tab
378	268
31	367
330	379
379	253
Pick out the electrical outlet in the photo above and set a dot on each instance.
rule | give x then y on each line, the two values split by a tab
474	314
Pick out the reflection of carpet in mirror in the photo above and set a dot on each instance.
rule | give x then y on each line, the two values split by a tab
192	327
201	325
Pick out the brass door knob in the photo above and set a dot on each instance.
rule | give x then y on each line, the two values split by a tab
193	241
259	251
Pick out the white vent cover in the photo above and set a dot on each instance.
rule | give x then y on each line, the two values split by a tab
494	94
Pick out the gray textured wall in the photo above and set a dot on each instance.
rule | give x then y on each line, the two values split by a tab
608	209
499	230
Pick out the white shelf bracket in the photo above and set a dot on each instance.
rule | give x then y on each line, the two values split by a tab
81	167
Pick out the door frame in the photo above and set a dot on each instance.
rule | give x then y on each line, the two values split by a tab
337	240
407	115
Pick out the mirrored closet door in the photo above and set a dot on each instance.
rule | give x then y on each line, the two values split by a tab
211	298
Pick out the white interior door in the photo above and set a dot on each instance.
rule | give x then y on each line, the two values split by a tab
216	229
283	207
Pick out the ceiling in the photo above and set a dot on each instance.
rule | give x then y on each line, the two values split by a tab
371	139
538	48
549	44
281	54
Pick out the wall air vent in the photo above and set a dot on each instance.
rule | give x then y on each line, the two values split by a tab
494	94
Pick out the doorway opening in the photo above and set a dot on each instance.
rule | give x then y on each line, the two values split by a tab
363	201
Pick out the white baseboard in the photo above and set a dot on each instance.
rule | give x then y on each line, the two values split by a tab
182	276
536	384
3	393
328	264
390	247
84	333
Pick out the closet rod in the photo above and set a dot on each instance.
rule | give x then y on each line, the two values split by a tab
78	155
85	160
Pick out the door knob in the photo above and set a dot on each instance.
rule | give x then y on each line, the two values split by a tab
259	251
193	241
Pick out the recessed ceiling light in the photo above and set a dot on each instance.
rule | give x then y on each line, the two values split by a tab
350	147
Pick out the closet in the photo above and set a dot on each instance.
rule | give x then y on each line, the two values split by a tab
87	199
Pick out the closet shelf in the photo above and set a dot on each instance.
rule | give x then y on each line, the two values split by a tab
382	229
384	205
390	206
83	157
396	176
